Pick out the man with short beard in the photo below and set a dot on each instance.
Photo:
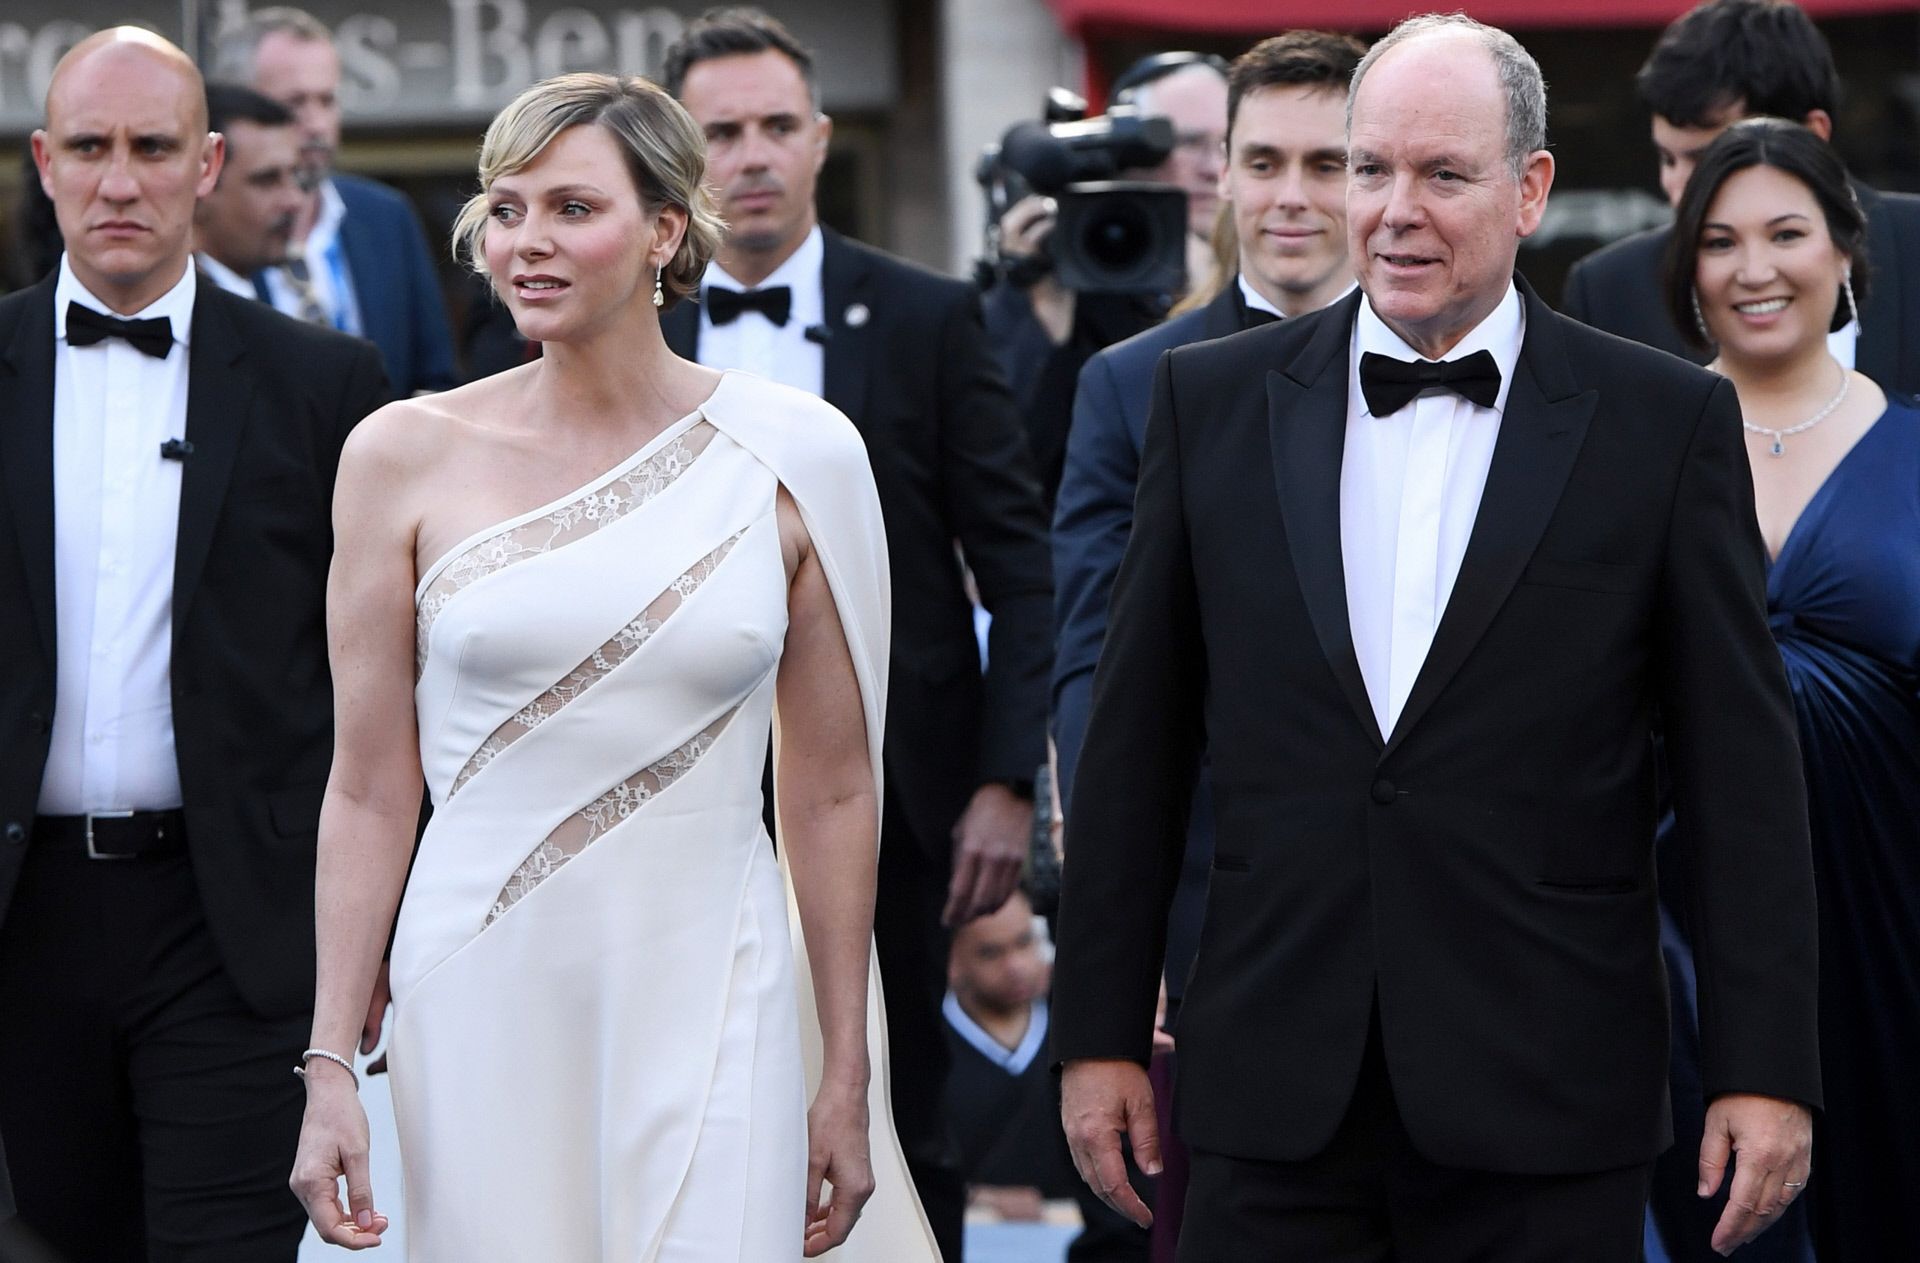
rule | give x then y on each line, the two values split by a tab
246	223
361	262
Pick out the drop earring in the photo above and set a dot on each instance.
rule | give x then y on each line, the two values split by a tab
659	294
1699	320
1846	291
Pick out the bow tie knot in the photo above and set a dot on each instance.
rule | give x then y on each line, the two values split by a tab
725	305
1390	384
85	327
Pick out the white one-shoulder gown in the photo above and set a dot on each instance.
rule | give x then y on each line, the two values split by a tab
603	1037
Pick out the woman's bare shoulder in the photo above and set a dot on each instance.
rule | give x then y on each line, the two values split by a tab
409	437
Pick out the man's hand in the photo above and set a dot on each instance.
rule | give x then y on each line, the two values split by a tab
1023	232
1101	1099
989	848
1771	1144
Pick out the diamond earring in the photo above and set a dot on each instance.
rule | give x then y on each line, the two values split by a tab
1846	291
659	295
1699	320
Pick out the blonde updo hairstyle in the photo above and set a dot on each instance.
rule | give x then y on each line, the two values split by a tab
665	151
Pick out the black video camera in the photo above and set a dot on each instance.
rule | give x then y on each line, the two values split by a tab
1111	236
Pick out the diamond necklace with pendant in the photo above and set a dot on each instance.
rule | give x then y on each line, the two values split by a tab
1779	447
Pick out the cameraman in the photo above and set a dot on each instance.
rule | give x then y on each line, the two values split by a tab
1043	332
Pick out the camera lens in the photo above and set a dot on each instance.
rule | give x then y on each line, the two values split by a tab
1119	238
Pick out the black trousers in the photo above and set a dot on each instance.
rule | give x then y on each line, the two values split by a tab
150	1115
1370	1197
912	946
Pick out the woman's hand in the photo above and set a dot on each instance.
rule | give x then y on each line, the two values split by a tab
836	1151
333	1145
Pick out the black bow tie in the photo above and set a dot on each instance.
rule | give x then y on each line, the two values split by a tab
1390	384
85	326
725	305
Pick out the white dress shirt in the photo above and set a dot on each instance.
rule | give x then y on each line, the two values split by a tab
1410	486
225	277
752	342
326	257
116	507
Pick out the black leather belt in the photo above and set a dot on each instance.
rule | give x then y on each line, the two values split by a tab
117	835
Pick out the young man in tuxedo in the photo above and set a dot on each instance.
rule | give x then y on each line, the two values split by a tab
901	351
1721	62
1420	572
166	470
363	263
1284	183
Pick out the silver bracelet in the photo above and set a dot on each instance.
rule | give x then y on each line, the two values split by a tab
334	1057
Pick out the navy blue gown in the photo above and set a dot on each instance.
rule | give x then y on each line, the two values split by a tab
1844	600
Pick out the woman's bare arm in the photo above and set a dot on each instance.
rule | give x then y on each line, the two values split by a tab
830	820
371	810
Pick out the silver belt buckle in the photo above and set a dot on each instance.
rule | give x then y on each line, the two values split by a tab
92	816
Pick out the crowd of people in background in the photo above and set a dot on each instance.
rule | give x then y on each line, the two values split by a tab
1071	472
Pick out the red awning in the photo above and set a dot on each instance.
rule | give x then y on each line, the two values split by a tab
1087	18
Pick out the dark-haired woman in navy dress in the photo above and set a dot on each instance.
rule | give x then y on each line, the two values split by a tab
1768	264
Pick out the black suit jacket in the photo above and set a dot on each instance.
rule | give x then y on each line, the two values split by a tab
1621	288
269	402
914	374
1485	871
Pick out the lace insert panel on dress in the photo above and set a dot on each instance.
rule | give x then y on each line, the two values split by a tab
590	823
624	644
577	518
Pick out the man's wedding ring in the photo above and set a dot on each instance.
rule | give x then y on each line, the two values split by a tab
1791	1184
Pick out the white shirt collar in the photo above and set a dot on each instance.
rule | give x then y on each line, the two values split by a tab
326	225
1258	301
799	272
1500	334
225	277
1255	300
176	305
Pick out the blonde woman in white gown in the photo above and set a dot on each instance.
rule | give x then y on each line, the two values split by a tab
573	598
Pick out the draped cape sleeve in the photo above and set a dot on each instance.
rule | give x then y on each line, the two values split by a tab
821	460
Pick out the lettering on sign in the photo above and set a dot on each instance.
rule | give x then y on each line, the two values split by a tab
454	61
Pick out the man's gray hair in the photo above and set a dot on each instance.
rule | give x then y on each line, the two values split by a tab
1520	78
237	46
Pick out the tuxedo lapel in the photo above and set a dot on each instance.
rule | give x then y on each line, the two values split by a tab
844	275
681	328
1541	433
1226	314
26	448
220	389
1307	426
